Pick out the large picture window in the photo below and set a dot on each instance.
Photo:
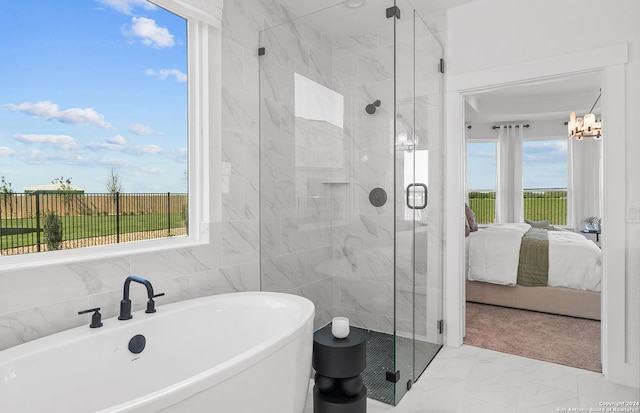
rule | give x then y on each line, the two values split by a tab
93	124
544	178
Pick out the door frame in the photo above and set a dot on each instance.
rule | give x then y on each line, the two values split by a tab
610	62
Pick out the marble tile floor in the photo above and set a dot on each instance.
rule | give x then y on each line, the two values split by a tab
474	380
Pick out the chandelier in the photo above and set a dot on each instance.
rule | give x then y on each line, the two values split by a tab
585	127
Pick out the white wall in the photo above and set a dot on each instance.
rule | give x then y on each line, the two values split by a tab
538	130
490	34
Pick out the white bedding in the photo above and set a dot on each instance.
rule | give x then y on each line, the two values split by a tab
493	254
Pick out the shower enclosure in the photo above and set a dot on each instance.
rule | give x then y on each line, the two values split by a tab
351	175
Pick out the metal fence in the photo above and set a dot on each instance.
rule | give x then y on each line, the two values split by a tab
539	204
87	219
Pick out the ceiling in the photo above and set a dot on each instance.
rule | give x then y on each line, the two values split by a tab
351	21
549	99
303	7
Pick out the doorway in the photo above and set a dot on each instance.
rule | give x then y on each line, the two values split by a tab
518	157
612	65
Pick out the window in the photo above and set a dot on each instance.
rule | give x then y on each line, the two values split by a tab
545	179
94	124
544	164
481	180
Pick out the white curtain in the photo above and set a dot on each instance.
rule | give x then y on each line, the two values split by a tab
585	181
465	167
509	174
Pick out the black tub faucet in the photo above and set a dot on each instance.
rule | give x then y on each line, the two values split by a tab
125	303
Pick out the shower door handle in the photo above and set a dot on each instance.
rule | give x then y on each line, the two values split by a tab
423	205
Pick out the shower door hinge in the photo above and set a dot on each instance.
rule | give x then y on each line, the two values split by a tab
393	377
441	68
440	326
393	12
261	51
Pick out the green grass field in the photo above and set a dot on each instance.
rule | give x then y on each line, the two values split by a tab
22	232
537	209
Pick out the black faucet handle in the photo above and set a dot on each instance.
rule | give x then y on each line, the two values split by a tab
151	305
96	318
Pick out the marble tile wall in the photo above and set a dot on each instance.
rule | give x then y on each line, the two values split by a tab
298	154
356	278
363	246
363	238
41	301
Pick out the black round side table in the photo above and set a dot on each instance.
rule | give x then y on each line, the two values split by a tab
338	363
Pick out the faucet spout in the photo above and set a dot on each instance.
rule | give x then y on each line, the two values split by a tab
125	303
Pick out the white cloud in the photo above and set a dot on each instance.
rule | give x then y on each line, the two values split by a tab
99	147
119	163
150	33
48	110
178	155
163	74
57	158
4	151
146	149
117	145
117	140
127	6
64	142
142	130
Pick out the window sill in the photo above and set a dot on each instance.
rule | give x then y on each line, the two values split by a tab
44	259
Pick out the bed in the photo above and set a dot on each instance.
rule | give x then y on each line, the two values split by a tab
498	270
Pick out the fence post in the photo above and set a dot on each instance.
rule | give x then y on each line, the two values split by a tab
38	221
168	213
117	198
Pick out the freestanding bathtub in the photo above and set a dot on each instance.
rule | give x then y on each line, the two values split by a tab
230	353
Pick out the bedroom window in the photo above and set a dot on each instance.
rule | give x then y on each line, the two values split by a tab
545	179
93	146
544	175
481	180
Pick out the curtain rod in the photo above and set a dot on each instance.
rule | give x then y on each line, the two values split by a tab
517	126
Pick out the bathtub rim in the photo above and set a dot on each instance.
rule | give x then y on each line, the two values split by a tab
172	394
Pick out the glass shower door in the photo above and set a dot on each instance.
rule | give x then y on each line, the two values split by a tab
418	201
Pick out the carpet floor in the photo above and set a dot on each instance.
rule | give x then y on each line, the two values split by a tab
557	339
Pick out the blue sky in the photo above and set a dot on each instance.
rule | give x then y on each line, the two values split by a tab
86	86
544	164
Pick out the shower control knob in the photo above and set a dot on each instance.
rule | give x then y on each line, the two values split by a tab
371	107
378	197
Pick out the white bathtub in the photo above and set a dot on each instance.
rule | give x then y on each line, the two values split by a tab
241	352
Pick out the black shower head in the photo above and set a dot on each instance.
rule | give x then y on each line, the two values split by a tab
371	107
